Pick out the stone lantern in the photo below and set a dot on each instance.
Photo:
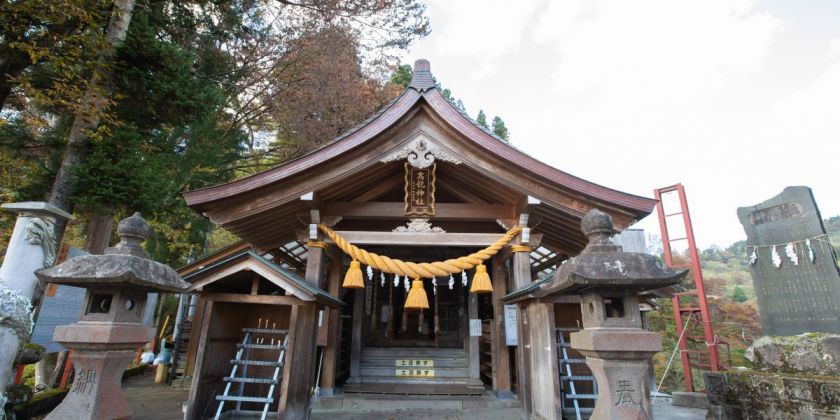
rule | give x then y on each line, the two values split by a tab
110	330
617	349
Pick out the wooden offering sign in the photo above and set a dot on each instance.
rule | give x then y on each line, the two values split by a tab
419	191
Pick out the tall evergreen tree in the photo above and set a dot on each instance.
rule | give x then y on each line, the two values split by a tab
482	119
500	129
402	76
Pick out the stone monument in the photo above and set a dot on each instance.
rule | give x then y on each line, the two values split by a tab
111	329
792	264
32	247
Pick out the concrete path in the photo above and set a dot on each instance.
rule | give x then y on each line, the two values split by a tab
150	401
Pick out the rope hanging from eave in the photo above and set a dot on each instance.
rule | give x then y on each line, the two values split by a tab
419	270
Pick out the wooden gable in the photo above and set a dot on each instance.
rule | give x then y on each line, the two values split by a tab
239	268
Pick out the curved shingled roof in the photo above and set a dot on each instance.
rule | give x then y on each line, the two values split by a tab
421	87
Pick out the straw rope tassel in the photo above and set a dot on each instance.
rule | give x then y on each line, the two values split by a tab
418	270
417	298
481	280
354	278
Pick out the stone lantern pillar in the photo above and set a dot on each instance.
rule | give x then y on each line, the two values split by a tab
617	349
110	329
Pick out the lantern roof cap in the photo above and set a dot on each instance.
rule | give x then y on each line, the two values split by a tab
127	264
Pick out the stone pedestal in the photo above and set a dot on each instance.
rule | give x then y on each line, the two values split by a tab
620	362
96	393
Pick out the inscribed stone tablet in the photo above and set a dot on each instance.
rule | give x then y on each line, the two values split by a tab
801	296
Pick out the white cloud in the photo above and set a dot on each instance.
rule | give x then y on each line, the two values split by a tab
734	98
483	30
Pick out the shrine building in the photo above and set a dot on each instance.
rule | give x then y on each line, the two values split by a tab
378	264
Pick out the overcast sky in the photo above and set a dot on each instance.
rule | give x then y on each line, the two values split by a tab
735	99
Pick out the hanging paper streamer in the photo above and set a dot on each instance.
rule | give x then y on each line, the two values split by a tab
396	280
810	251
407	284
434	285
777	259
791	253
370	273
464	278
382	277
753	257
451	282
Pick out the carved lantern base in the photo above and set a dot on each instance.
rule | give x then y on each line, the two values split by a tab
96	392
620	362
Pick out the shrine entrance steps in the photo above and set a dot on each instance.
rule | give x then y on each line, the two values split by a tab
391	371
368	406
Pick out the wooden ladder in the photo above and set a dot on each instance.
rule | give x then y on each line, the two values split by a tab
243	359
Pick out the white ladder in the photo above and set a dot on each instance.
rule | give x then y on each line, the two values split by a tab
566	375
245	349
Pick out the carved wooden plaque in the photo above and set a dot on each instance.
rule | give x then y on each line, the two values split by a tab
419	191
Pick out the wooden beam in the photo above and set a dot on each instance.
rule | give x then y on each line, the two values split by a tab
255	284
257	299
396	210
461	193
381	188
282	256
419	238
547	263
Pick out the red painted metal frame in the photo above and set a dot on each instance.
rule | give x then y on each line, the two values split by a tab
701	308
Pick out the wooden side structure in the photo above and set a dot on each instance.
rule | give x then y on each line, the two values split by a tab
358	185
247	290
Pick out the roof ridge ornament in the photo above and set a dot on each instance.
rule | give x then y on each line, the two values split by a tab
421	152
421	77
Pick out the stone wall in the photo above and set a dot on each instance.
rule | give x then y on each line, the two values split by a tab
796	377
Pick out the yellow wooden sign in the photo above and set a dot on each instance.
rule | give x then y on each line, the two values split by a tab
416	373
408	363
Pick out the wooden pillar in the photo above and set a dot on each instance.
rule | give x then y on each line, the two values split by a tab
300	364
195	408
472	310
331	351
315	266
356	340
521	278
544	375
301	354
501	356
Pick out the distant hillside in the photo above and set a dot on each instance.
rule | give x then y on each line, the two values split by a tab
732	302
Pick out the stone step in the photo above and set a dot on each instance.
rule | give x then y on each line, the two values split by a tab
424	414
362	406
441	372
412	353
392	380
